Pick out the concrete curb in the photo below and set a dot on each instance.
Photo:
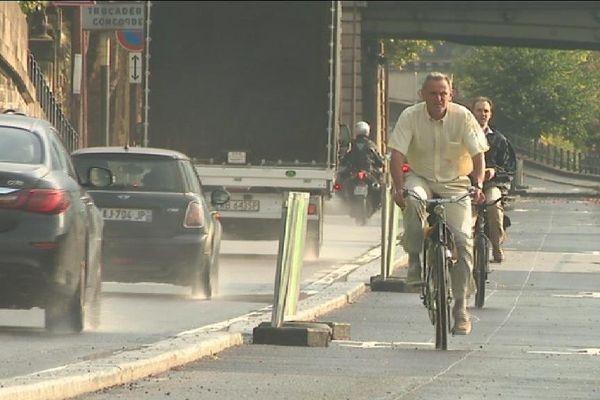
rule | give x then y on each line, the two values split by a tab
89	376
84	377
576	184
562	172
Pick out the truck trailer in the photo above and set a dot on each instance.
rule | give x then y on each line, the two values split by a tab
250	91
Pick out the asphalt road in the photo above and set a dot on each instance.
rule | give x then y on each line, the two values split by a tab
536	338
538	324
136	315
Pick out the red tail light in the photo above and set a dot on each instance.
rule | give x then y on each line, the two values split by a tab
312	209
405	167
194	218
361	175
43	201
337	187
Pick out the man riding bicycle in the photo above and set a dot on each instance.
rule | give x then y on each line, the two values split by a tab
500	162
443	144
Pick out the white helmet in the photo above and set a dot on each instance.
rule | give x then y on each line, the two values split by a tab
361	128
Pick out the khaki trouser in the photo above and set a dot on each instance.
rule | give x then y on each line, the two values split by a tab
495	217
458	216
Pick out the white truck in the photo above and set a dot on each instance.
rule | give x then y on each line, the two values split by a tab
253	97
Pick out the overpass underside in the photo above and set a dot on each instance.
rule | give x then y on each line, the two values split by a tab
543	24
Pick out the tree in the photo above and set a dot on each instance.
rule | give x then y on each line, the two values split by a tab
535	92
401	52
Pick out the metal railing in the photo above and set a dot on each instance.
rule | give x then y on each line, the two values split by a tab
50	106
585	163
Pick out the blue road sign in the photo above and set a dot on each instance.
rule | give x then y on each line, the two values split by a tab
131	40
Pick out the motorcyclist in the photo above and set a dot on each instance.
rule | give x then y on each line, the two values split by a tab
500	162
362	154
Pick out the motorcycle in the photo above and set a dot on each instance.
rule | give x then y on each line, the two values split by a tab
361	192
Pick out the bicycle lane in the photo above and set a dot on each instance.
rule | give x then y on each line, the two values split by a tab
534	338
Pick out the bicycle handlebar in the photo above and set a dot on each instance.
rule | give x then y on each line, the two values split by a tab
437	200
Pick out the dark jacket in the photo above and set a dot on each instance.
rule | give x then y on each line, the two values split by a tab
362	154
501	155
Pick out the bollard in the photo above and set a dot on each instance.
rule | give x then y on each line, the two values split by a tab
287	286
289	257
385	282
519	175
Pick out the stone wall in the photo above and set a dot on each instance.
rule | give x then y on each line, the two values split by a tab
16	90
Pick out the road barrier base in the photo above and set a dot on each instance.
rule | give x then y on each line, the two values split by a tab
339	330
392	284
309	334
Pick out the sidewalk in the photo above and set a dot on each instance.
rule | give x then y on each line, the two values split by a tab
543	181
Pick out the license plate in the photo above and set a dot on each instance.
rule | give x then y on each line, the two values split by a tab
361	190
127	214
240	205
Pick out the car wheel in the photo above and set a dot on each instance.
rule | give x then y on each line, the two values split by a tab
312	246
95	305
66	313
201	279
214	274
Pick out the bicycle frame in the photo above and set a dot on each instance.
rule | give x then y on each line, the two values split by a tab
438	246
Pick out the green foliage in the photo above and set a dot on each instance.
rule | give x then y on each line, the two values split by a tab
558	141
402	52
29	7
535	92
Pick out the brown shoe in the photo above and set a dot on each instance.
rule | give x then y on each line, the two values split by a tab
498	255
462	321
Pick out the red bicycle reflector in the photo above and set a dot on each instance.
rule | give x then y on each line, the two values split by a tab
405	167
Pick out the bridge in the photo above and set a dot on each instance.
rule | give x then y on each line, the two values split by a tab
545	24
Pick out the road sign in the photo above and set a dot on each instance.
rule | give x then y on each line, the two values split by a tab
135	67
113	17
131	40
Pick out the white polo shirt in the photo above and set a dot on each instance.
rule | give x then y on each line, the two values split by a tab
441	150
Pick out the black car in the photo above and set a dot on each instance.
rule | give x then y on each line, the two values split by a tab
158	226
50	229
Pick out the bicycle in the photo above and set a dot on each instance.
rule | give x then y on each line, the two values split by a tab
481	252
438	255
481	246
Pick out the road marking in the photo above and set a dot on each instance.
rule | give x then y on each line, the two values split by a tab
581	352
580	295
380	345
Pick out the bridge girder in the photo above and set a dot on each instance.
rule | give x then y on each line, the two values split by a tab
543	24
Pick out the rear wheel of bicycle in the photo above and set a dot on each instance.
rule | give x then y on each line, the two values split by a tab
441	299
482	259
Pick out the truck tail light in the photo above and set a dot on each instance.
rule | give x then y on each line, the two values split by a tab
42	201
194	218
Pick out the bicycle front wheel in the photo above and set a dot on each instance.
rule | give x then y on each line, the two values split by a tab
441	296
480	269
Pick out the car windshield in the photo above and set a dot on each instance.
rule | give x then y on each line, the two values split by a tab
19	146
134	172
